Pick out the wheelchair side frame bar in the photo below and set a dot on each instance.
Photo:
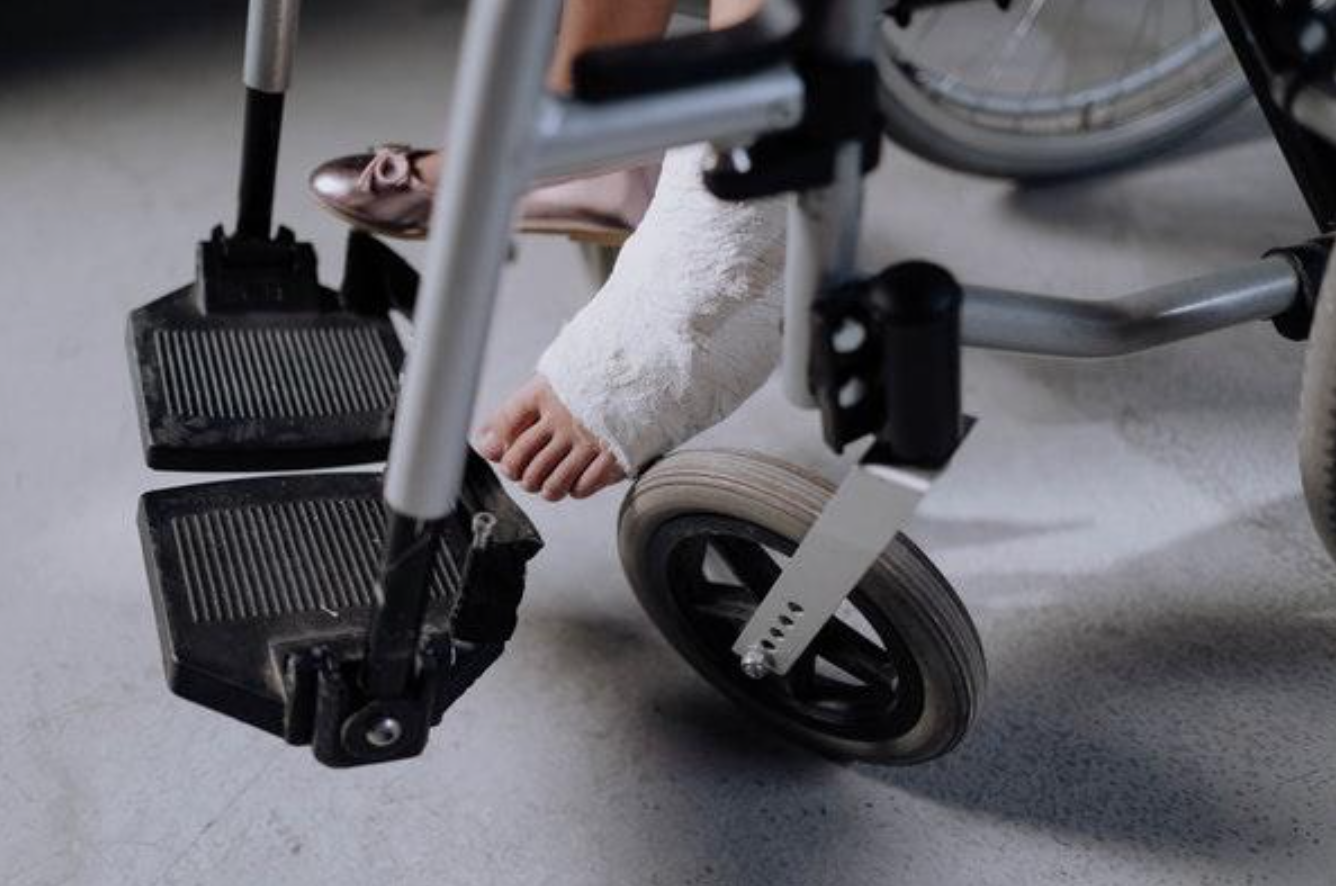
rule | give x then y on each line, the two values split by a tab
1061	326
574	137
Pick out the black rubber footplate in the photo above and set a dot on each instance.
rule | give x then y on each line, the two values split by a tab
244	573
262	390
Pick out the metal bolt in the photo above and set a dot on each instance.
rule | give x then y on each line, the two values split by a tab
852	393
849	337
384	732
484	524
741	160
755	663
1313	37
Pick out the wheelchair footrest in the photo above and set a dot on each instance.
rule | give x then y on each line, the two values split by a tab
238	392
265	590
257	367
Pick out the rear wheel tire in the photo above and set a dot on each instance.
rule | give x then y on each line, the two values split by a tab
1156	91
1317	417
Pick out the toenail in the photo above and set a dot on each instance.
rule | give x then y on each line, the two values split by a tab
487	442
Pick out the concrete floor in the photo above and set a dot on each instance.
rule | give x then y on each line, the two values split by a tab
1130	537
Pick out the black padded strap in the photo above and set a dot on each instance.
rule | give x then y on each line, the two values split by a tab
635	69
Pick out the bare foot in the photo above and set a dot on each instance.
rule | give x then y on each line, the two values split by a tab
538	443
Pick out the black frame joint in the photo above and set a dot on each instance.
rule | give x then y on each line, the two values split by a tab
1309	261
886	363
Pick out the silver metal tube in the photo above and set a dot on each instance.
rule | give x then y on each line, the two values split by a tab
824	225
576	137
802	282
1057	326
491	143
271	41
822	251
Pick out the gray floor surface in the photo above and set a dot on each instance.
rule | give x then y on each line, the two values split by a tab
1130	537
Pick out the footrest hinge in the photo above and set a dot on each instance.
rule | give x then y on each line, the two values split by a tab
327	707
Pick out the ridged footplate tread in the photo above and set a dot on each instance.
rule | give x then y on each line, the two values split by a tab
262	391
241	567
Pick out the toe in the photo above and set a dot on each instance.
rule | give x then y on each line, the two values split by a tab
560	482
489	445
543	464
602	472
521	452
504	428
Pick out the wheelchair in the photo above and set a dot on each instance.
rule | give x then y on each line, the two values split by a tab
348	611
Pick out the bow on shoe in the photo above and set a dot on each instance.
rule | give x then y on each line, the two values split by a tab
391	168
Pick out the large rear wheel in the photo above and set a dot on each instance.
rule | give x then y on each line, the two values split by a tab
1317	417
1055	88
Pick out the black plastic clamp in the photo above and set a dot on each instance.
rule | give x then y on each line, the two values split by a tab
240	274
1309	261
886	362
840	106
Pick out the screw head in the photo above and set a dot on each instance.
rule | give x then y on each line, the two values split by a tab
1313	37
755	663
849	337
484	524
384	732
851	394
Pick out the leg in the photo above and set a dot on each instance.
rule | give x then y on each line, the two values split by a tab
724	13
587	24
686	329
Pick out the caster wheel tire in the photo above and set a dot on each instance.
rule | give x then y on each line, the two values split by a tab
1317	417
895	678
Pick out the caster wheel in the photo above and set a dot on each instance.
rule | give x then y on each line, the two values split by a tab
599	260
897	675
1317	417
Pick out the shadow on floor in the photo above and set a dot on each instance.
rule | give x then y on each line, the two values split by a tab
1119	724
1133	718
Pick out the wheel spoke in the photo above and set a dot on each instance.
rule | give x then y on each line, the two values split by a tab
855	654
749	562
1039	71
801	679
722	603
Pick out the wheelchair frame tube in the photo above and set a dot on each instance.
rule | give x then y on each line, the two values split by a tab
1062	326
824	225
271	42
575	137
491	135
